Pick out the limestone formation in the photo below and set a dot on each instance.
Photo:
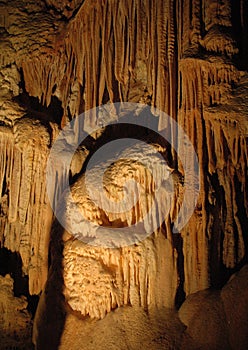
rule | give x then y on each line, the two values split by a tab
184	58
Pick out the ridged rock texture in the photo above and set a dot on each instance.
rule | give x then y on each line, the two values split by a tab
186	58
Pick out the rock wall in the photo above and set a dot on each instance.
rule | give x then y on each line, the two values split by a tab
186	58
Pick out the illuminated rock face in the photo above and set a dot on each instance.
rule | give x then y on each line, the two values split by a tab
188	59
115	268
24	149
213	317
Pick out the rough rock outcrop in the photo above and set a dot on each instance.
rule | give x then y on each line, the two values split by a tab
218	319
15	320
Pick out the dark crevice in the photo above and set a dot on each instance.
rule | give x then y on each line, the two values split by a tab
11	263
242	215
35	110
218	275
240	32
4	186
178	245
53	310
58	12
82	101
128	130
202	24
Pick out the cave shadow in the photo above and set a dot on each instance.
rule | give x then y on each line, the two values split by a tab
51	313
11	263
180	293
35	109
219	273
240	32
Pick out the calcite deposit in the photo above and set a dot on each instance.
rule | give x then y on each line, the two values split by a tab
182	58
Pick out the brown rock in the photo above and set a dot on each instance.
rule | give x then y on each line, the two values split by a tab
15	320
204	316
234	297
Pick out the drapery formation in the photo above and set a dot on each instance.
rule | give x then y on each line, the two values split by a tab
182	57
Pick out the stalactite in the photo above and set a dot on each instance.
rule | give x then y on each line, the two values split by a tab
174	55
22	180
206	83
119	39
113	278
205	90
